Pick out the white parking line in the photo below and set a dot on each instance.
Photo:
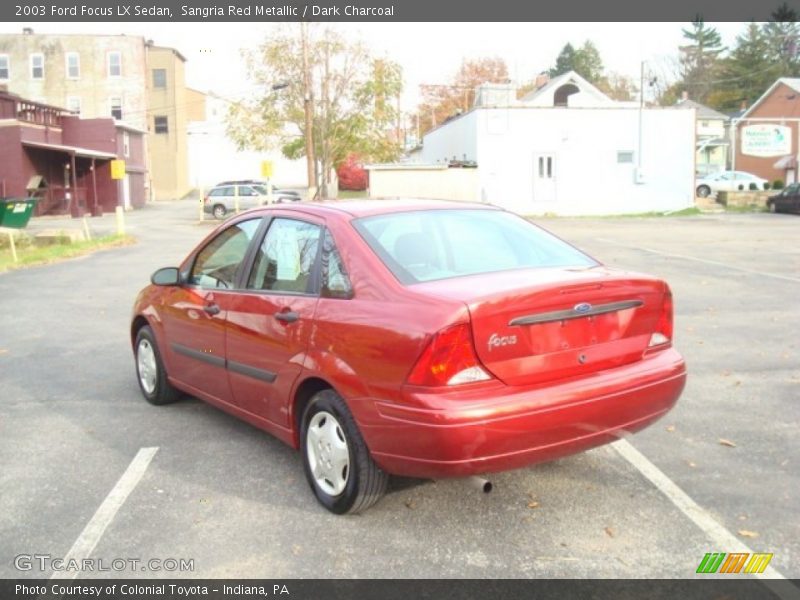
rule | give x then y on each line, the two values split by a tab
91	534
701	260
723	539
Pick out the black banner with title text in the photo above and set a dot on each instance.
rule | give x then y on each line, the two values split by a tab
389	10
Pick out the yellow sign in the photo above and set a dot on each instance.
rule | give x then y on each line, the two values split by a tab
117	169
266	168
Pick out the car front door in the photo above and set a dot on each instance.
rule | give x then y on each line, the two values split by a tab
194	313
270	323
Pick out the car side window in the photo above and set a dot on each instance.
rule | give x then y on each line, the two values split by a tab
246	190
285	260
335	281
218	263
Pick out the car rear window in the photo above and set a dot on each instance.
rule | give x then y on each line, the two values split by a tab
427	245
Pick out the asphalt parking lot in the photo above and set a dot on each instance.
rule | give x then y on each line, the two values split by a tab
235	500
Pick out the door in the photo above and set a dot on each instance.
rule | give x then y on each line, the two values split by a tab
194	314
269	325
544	177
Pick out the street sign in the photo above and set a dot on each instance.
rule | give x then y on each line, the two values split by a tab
266	169
117	169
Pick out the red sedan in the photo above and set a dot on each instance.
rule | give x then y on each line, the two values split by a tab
414	338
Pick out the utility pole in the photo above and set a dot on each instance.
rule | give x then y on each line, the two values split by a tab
308	105
641	114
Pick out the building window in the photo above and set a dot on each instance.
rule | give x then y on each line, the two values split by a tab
161	125
625	157
115	64
73	61
37	66
159	78
115	103
704	123
126	144
5	67
74	104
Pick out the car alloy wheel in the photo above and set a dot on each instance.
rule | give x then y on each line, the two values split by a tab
146	365
219	211
328	454
150	372
336	460
703	191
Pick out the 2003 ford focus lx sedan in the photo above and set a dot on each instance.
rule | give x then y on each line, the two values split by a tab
416	338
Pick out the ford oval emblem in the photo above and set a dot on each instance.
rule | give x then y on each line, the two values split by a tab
582	307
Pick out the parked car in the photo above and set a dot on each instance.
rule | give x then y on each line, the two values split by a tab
414	338
280	195
727	181
221	199
788	200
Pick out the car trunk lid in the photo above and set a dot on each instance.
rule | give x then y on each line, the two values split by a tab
534	326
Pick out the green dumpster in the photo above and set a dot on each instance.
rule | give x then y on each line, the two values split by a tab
16	212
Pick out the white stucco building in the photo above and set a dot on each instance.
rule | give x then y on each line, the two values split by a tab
214	157
565	149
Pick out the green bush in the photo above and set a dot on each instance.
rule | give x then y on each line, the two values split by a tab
753	187
766	185
777	184
741	187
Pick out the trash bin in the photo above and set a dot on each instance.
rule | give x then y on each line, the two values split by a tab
16	212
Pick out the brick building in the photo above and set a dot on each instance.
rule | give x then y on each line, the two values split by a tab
66	161
766	136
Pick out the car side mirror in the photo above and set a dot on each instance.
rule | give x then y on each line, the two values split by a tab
166	276
337	286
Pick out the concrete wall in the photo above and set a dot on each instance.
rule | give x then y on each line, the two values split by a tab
213	156
456	139
412	181
94	87
583	146
168	151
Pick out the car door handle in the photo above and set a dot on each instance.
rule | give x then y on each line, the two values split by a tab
211	309
287	316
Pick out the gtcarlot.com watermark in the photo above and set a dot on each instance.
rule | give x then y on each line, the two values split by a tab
47	562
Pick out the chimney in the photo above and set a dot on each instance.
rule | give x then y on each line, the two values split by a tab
27	30
542	79
684	96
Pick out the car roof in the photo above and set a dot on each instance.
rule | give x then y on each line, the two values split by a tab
369	207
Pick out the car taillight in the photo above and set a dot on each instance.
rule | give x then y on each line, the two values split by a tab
663	332
205	200
449	359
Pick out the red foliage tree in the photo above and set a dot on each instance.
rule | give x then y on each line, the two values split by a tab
352	175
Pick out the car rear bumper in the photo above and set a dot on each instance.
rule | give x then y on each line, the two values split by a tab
496	428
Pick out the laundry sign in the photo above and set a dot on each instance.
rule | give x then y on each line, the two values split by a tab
766	140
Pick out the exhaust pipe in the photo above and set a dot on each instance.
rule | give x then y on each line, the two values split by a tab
482	484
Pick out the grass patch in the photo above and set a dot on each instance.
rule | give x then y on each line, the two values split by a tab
42	255
745	209
352	194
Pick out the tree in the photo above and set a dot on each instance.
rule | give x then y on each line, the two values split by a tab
585	61
746	72
619	87
783	35
699	59
354	95
442	101
565	61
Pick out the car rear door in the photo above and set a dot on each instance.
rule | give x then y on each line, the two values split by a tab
194	314
270	322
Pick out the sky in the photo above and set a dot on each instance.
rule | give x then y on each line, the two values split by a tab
430	53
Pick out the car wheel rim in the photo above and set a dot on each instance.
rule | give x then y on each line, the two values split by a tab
327	453
146	363
219	212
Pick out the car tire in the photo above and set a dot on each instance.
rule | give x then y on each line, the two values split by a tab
150	372
704	191
336	460
219	211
